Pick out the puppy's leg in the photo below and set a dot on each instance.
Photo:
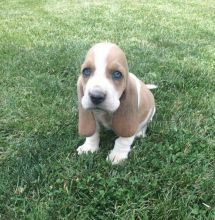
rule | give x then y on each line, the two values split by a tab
142	132
143	126
121	149
91	144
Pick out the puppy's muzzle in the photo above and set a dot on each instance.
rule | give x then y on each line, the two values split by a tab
97	97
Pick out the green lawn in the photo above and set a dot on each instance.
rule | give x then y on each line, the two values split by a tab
169	174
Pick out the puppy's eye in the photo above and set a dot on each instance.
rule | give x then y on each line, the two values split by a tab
86	72
116	75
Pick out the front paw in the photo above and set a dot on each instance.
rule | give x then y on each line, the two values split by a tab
116	157
85	148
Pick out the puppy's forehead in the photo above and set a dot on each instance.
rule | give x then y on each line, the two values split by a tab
104	53
101	52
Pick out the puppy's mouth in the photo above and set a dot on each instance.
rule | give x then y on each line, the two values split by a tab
98	108
106	106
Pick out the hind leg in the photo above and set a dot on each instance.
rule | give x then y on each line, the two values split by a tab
143	126
142	132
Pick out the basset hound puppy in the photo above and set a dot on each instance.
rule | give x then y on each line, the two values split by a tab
112	97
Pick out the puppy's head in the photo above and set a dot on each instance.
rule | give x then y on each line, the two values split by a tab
105	84
103	76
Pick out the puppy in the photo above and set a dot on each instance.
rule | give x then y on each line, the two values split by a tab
112	97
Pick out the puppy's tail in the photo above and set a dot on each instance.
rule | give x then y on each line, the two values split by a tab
151	86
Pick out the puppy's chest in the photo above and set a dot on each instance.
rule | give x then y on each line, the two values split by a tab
103	118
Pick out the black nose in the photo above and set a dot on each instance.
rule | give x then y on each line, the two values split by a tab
97	97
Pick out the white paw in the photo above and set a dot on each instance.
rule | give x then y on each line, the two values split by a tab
85	148
117	157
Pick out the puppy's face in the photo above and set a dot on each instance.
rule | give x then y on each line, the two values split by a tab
104	76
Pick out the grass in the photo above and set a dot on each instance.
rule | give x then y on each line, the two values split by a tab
169	174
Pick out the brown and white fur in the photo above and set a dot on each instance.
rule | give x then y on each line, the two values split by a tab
127	108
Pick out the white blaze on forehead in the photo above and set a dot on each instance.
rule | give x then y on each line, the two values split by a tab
101	52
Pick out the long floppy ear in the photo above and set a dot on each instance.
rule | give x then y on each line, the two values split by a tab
86	123
125	119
